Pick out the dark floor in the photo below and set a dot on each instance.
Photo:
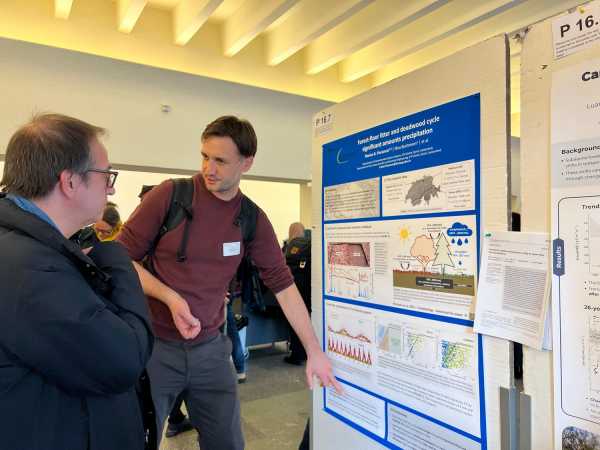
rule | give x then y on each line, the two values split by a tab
275	404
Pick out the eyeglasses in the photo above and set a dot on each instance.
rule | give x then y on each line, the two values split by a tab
111	176
103	233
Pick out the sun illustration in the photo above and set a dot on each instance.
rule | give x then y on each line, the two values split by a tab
404	233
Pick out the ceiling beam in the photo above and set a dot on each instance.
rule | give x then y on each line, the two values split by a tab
62	8
521	16
368	26
310	20
128	13
446	21
251	19
189	16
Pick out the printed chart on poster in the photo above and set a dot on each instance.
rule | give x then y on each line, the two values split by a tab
575	163
400	260
422	264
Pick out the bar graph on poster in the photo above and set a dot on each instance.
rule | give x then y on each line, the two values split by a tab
400	256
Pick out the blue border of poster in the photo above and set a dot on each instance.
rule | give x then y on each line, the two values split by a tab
443	134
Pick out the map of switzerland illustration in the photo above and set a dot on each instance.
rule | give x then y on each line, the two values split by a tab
422	189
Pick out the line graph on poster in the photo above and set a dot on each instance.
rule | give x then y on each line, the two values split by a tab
350	336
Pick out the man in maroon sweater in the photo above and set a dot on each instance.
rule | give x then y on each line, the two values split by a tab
191	355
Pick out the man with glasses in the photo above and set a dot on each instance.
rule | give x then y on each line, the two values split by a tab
74	328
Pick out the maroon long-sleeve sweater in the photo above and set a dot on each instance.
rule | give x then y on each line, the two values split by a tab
204	277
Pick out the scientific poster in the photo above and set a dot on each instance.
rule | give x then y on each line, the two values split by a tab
575	163
400	258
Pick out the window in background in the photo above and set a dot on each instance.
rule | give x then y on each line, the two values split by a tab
281	201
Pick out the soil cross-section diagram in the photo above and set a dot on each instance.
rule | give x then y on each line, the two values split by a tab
349	271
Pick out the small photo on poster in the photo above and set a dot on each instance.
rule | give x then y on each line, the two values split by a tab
349	273
574	438
355	200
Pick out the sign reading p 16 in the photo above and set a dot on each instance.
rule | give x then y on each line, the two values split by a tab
576	31
589	22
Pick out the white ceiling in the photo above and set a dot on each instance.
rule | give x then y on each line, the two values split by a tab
356	40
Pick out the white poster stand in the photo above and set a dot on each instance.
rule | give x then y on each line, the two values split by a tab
381	408
539	68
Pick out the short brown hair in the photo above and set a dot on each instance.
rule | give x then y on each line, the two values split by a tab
240	131
41	149
111	214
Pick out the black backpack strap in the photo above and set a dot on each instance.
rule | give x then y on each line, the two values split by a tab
247	273
180	209
183	196
247	219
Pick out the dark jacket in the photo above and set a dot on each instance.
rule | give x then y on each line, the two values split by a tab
297	257
74	338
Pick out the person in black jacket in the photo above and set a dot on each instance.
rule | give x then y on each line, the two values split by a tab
297	257
74	328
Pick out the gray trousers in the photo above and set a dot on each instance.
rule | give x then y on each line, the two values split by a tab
205	375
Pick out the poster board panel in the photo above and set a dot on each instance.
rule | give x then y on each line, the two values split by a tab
538	69
412	99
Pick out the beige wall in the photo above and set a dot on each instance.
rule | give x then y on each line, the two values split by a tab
126	99
306	204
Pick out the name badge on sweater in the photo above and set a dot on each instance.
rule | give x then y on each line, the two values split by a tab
231	248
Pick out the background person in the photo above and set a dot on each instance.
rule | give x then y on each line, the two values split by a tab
105	228
238	348
109	225
297	258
